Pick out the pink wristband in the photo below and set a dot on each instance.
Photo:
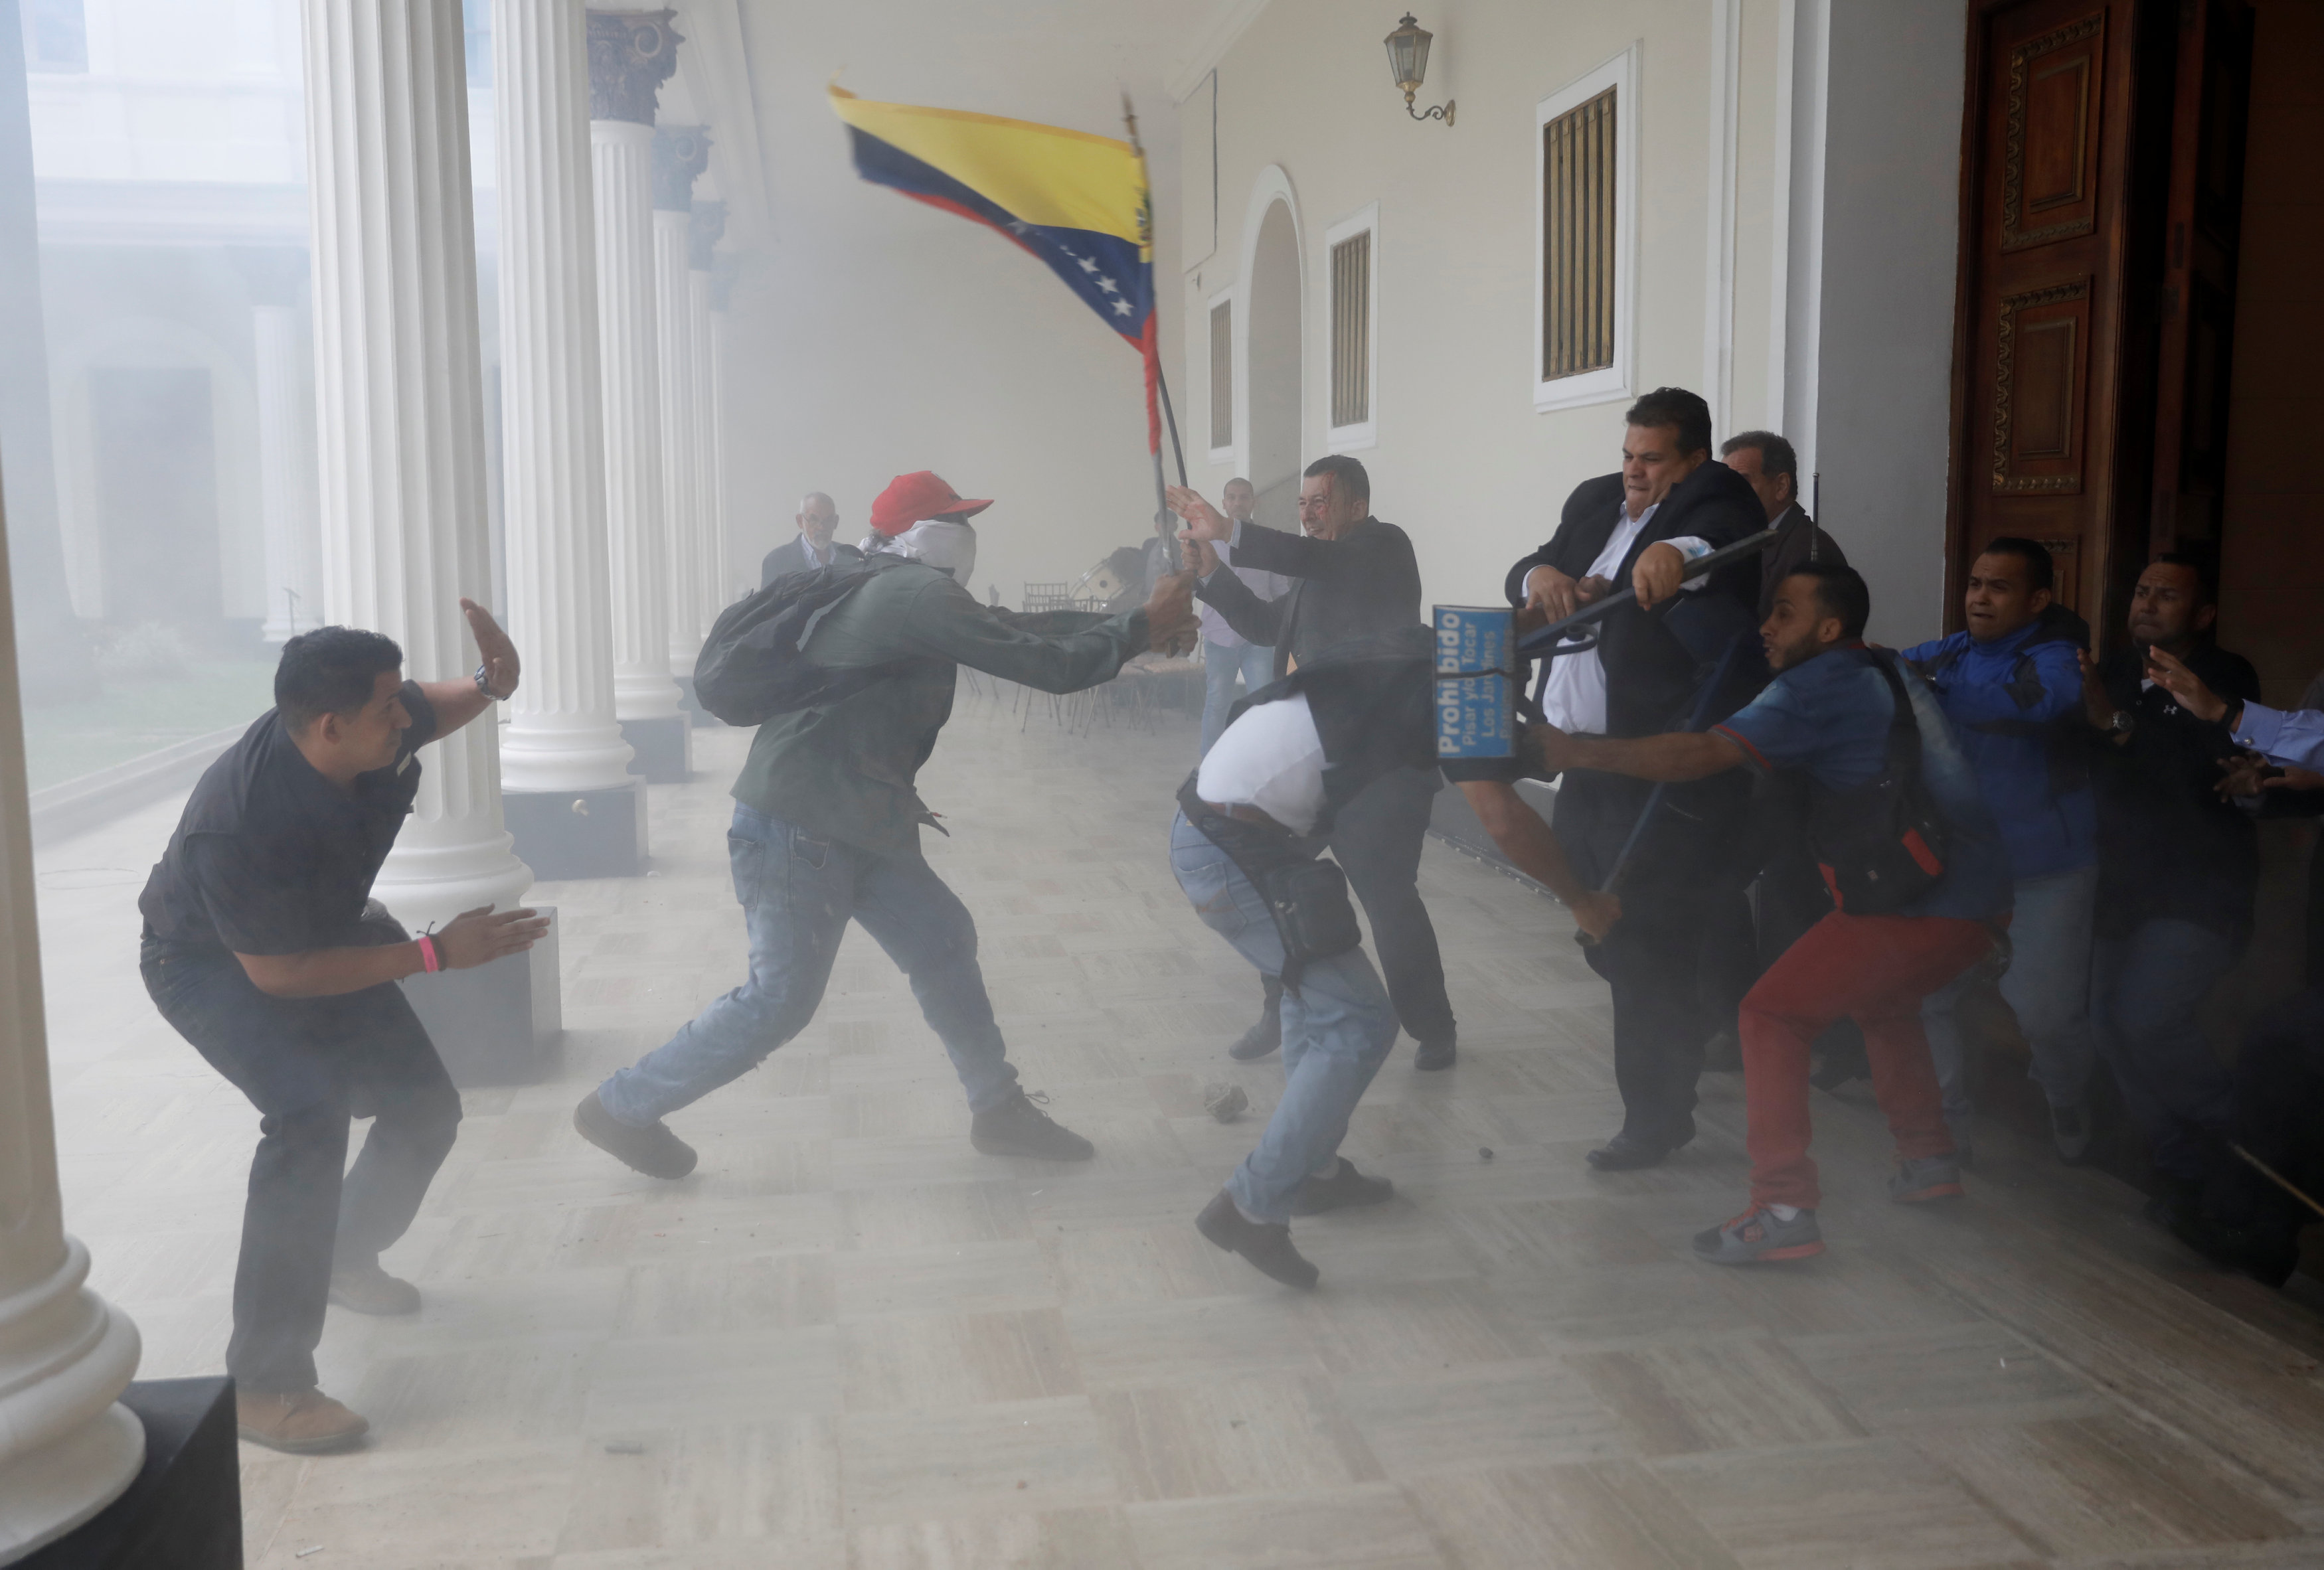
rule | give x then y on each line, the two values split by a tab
429	961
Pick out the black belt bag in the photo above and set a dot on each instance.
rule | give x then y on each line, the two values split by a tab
1306	895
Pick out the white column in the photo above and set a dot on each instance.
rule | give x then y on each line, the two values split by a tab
562	735
286	494
742	575
709	224
400	404
67	1446
630	55
680	154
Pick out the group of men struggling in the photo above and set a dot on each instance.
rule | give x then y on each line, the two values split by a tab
264	947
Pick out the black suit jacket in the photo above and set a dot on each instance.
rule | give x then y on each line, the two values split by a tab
1801	537
790	557
1654	659
1361	584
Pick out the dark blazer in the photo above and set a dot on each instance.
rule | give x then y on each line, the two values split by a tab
1790	553
790	557
1363	583
1654	659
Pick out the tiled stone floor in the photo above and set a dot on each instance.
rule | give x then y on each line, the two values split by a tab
849	1340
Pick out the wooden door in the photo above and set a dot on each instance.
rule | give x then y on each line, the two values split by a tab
2041	354
2201	234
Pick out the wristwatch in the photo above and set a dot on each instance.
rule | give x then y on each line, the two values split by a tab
486	687
2123	723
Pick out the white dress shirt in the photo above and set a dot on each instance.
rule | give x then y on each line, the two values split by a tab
1265	585
1575	701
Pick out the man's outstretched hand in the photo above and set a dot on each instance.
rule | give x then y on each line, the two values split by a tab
480	936
1203	521
2168	671
500	666
1170	624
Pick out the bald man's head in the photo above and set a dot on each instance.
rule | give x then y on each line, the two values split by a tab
818	518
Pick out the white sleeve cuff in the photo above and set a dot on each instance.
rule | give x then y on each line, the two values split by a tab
1693	550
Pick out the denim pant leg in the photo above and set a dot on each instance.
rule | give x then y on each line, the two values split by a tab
929	934
2047	985
1941	1022
2146	996
797	891
1337	1029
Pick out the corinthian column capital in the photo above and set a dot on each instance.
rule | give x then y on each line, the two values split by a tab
631	53
702	235
680	154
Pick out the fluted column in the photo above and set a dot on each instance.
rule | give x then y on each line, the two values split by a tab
562	735
630	55
67	1446
286	497
709	224
681	152
399	403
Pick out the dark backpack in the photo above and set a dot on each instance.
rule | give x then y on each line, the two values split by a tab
1882	844
750	668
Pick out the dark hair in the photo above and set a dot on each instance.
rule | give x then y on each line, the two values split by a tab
1347	475
1676	406
1775	453
2041	570
1839	591
2200	564
330	671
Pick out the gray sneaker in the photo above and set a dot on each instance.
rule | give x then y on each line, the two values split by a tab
1020	1128
1757	1236
1921	1178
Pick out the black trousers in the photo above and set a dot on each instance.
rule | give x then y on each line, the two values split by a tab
1376	838
309	1065
1683	900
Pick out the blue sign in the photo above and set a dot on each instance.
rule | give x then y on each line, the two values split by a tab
1476	681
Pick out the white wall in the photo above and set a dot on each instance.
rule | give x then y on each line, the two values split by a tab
1839	300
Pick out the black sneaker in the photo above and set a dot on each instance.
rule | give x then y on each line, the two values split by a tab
1343	1188
1266	1244
1431	1056
654	1150
1263	1037
1020	1128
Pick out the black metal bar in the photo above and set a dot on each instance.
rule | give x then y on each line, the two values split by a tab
1542	640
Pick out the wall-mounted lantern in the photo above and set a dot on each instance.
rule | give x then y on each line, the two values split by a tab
1407	61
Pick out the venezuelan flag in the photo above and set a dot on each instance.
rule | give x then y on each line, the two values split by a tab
1077	202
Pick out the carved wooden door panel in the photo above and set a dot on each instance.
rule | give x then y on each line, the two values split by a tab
2042	354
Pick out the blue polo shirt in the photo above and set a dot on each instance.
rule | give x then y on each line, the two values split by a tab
1829	718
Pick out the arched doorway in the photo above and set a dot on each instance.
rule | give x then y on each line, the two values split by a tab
1275	392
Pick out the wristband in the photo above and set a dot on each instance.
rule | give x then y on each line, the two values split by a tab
429	961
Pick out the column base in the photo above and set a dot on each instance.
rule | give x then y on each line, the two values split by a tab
498	1024
184	1508
664	747
592	833
704	720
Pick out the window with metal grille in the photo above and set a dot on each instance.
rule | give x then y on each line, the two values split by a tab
1578	271
1223	375
1352	330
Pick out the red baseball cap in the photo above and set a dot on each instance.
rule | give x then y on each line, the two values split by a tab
910	498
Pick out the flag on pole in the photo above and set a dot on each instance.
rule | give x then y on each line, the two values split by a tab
1077	202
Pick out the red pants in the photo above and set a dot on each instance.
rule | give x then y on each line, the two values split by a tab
1876	971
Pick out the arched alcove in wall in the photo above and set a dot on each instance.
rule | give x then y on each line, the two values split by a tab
1274	394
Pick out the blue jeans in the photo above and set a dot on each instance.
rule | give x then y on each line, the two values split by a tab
1337	1029
799	890
2047	986
2146	996
1256	661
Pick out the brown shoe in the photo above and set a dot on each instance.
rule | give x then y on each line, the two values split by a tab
303	1422
368	1290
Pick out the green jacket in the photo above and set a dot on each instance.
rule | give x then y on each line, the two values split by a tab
846	770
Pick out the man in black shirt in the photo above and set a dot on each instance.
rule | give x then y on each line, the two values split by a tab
263	949
1352	577
2177	867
